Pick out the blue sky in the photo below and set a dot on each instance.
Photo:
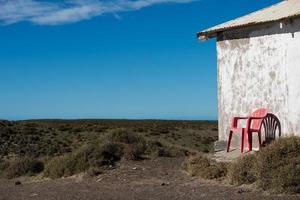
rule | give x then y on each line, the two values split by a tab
111	59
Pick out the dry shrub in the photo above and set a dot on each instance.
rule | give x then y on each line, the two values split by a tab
174	151
94	171
275	168
134	152
203	167
278	166
242	170
135	145
59	166
93	156
3	164
118	144
23	166
125	136
157	149
109	153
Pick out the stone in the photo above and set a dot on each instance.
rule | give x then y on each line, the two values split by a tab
18	183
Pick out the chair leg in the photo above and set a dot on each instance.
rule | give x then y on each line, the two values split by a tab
250	141
259	139
243	141
229	141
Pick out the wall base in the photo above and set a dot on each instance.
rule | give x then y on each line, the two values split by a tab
220	146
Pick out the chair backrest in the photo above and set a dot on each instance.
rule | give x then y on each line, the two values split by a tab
256	123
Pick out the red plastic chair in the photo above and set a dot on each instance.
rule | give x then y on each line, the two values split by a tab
254	124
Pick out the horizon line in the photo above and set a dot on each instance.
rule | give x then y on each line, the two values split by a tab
110	119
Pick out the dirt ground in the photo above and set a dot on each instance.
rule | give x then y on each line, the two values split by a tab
148	179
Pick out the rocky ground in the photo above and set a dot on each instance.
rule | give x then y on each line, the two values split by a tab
149	179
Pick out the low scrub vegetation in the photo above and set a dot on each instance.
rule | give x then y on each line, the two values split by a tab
94	156
61	148
48	138
67	147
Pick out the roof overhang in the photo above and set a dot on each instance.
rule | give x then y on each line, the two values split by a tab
284	10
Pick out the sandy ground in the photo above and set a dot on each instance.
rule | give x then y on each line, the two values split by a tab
148	179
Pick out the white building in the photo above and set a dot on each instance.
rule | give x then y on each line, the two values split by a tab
259	65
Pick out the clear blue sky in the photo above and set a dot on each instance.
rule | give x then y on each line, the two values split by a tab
142	60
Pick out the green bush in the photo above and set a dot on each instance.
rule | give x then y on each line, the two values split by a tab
242	171
203	167
278	166
23	166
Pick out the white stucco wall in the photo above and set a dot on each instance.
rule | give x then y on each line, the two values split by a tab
260	67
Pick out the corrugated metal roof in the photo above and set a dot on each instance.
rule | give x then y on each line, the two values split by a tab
282	10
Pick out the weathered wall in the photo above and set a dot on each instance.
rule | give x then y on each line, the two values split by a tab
260	67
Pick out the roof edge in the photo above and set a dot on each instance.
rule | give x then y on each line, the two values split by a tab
213	31
207	34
